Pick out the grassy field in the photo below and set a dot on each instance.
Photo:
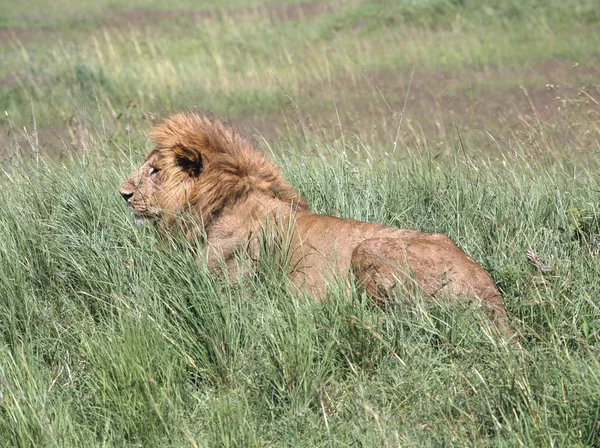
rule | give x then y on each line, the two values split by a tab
480	120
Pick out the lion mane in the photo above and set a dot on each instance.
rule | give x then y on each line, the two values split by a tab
203	169
230	165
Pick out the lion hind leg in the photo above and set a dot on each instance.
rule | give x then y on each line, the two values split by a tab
380	276
431	265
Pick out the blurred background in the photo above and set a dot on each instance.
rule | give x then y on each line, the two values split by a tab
489	75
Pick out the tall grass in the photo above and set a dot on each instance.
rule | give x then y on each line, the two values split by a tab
108	337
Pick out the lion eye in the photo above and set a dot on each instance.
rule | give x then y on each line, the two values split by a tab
153	170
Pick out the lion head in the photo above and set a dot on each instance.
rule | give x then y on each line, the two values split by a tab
200	165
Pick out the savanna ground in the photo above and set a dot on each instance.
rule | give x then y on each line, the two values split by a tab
477	119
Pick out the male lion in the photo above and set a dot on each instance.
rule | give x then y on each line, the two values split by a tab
203	171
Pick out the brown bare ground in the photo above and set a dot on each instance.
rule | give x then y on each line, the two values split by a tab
282	13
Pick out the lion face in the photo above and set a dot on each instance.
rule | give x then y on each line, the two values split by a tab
162	187
142	192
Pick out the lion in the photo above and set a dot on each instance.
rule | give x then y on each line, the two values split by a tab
206	179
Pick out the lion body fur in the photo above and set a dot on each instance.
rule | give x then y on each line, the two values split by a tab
203	170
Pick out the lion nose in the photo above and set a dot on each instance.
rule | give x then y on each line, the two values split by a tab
126	195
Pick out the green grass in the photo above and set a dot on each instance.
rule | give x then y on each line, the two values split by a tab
108	337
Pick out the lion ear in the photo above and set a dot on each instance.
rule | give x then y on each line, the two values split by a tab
189	160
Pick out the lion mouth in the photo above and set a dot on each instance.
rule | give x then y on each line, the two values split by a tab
144	220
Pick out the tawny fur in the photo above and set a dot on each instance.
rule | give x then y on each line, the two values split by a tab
202	170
